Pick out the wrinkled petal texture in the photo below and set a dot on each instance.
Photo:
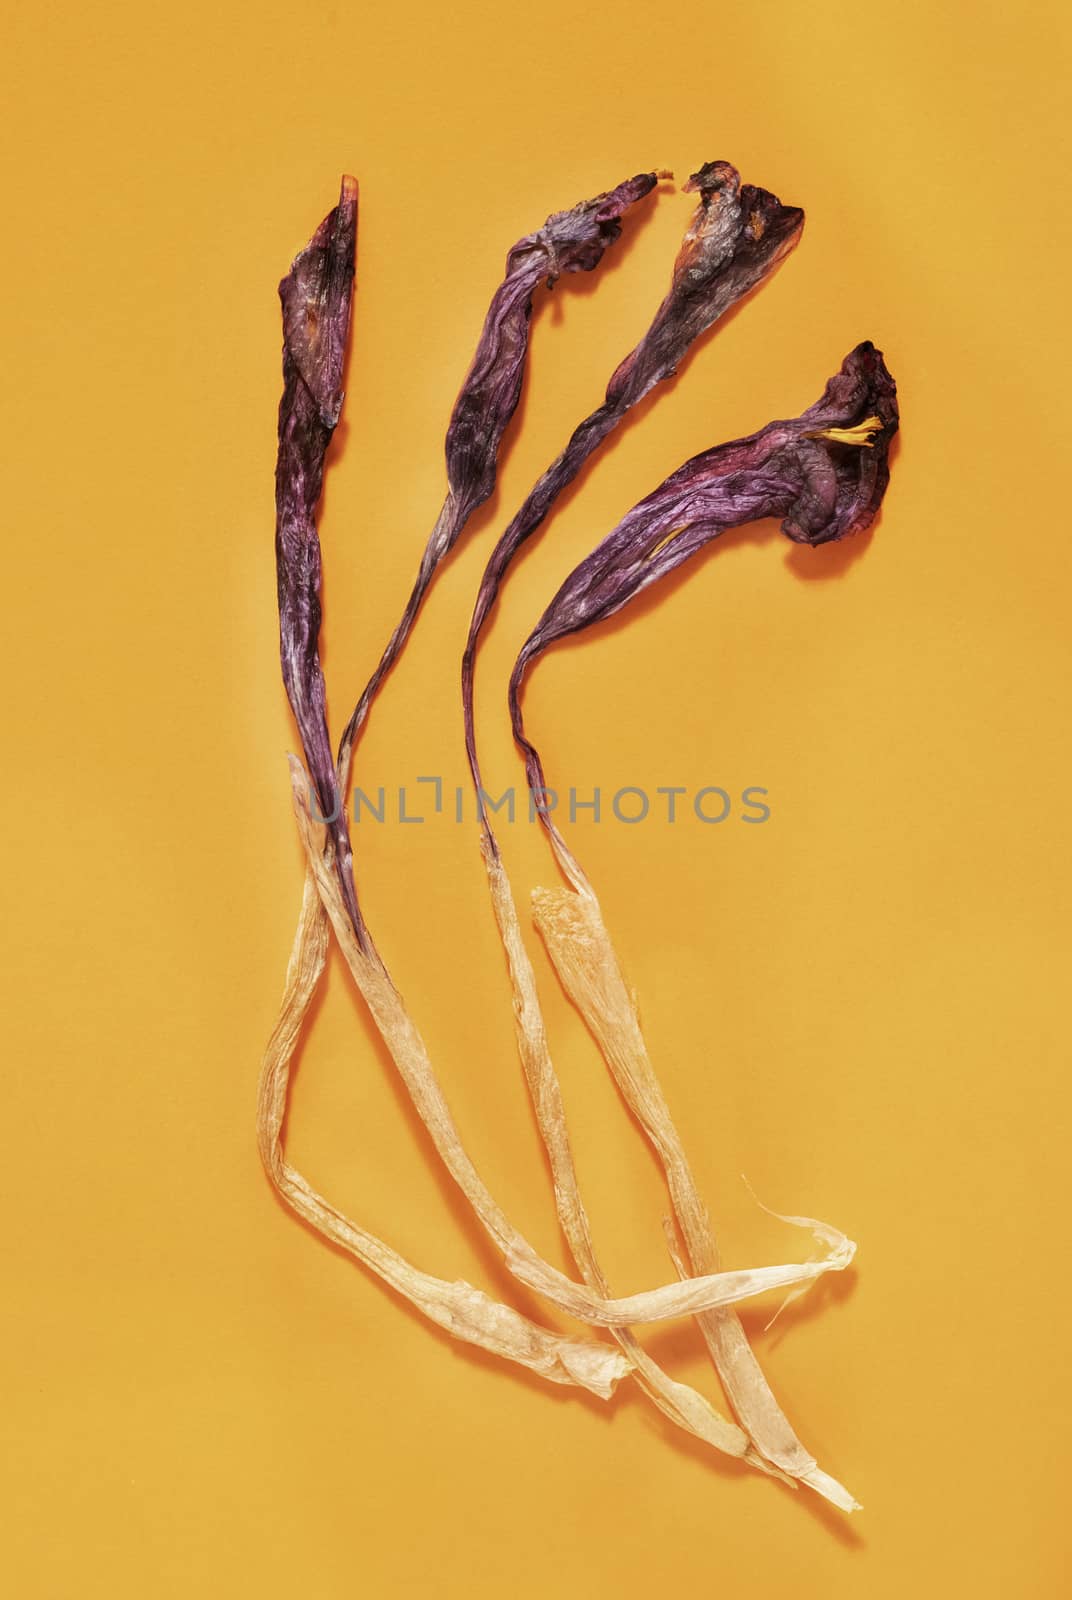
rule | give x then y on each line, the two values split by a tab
569	241
316	296
737	236
823	487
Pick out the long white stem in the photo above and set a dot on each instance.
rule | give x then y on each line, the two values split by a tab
462	1310
572	926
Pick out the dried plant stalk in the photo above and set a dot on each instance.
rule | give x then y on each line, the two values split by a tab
410	1055
571	924
465	1312
682	1404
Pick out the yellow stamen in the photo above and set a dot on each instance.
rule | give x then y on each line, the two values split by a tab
664	541
860	434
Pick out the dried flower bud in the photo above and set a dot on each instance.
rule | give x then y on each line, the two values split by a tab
737	237
316	296
569	241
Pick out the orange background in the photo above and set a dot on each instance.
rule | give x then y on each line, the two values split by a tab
858	1005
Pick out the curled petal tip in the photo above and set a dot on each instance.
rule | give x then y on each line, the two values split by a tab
713	176
858	416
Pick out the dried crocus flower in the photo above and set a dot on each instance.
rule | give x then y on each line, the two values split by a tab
316	300
315	297
824	473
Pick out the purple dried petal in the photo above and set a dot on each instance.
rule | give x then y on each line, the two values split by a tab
736	238
316	296
569	241
826	511
824	473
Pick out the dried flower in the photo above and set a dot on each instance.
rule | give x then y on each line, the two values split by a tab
315	296
824	473
569	241
316	304
812	471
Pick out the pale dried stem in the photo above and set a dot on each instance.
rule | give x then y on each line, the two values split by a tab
681	1404
571	924
410	1056
463	1311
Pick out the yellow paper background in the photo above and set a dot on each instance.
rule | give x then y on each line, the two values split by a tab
859	1005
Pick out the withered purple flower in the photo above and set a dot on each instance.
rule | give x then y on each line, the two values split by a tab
824	473
737	237
569	241
316	296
